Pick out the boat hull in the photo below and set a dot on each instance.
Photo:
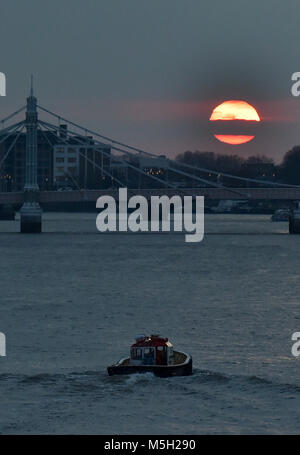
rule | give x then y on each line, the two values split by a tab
163	371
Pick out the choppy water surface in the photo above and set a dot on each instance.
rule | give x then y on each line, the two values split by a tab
73	299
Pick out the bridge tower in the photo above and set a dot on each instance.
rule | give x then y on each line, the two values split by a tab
31	213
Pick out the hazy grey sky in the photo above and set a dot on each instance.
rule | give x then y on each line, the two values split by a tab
150	71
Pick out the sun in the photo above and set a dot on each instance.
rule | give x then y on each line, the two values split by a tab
233	139
234	110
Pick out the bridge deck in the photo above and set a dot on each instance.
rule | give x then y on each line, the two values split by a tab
210	193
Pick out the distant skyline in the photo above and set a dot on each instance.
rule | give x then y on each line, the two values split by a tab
150	73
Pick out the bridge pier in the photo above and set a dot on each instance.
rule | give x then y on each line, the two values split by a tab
294	221
31	218
31	214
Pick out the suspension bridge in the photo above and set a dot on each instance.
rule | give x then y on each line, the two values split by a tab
207	182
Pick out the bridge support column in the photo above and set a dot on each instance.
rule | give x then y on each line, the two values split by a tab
294	221
31	213
31	218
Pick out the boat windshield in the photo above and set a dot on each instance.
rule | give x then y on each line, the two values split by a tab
136	353
148	356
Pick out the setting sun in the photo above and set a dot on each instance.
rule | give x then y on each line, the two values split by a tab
234	110
233	138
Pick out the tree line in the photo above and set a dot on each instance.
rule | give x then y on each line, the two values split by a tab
256	166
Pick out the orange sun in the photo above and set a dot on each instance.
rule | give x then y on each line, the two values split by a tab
233	138
234	110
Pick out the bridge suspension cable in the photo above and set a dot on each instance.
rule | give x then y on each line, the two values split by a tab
10	129
99	149
12	115
168	184
194	177
10	133
65	142
94	133
49	126
208	182
51	145
12	144
236	177
176	163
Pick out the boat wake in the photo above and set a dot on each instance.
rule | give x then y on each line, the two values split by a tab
91	381
133	379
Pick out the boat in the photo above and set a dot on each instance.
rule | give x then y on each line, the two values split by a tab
153	354
281	215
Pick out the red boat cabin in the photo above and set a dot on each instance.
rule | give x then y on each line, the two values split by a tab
151	350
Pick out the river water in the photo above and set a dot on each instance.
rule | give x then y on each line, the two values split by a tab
72	301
